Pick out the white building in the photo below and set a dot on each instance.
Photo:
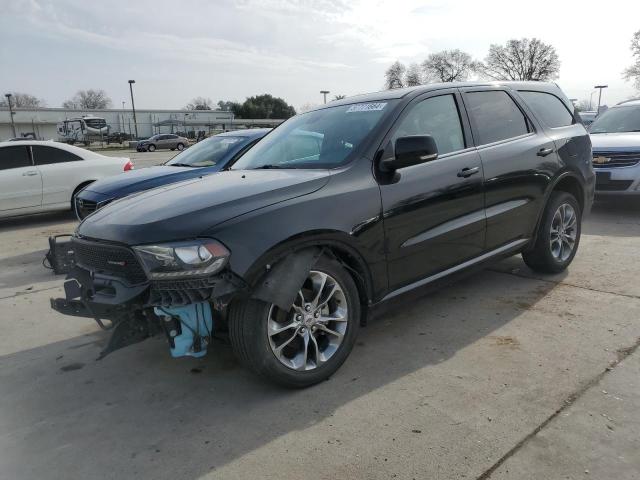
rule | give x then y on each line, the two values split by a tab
43	121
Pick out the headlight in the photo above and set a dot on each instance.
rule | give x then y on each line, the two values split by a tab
190	258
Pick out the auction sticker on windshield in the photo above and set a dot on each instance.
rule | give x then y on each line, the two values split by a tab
366	107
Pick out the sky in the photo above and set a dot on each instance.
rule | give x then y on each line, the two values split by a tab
229	50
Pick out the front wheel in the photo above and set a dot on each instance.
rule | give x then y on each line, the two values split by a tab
308	342
558	237
180	146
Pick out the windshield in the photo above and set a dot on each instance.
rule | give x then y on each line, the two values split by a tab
209	152
319	139
617	120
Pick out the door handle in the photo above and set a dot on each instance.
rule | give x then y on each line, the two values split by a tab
30	173
467	172
543	152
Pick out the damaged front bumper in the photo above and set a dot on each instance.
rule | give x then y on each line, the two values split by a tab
136	312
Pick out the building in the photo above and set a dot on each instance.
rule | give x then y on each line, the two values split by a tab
42	122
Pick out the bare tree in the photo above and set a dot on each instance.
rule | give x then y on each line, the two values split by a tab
339	97
583	105
632	74
413	77
524	59
23	100
394	76
448	66
199	103
89	100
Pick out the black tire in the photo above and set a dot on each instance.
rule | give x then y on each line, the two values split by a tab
248	321
541	257
172	149
151	148
180	147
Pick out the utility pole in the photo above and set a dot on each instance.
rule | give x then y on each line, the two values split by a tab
133	107
324	92
13	125
599	87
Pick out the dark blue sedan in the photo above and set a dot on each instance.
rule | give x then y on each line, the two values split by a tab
205	157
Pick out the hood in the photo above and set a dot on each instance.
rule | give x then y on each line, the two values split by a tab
186	209
144	179
626	141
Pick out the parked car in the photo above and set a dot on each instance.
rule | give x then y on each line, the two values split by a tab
206	157
166	141
615	135
335	212
38	176
588	117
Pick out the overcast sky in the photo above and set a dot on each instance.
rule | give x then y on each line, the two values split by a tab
176	50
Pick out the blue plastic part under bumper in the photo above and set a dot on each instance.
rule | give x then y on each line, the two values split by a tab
189	328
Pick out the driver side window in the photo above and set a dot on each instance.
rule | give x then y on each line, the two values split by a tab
438	117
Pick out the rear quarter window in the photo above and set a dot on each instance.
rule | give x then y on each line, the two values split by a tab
548	108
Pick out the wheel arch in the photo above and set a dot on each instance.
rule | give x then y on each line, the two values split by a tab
566	182
324	243
83	184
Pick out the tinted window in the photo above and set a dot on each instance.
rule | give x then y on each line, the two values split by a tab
438	117
47	155
209	152
549	108
496	116
14	157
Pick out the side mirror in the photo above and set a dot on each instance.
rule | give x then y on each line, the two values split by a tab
411	150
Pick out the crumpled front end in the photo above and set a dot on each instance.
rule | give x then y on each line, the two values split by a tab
111	284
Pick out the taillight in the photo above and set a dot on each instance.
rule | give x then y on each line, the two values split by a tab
128	166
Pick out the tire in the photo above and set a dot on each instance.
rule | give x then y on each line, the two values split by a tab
151	148
180	147
550	253
172	149
251	320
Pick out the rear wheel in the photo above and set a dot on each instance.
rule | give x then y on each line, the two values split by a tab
308	342
559	235
151	148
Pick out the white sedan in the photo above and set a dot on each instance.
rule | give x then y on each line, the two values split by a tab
41	176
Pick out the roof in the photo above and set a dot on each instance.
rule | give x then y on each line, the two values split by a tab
397	93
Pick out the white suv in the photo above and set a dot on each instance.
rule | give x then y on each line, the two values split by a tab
615	136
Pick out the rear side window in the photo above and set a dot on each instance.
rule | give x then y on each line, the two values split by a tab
14	157
47	155
438	117
548	108
496	116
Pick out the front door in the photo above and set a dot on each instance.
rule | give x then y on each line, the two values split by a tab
433	212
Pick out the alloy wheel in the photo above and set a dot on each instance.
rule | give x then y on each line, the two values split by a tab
311	332
563	232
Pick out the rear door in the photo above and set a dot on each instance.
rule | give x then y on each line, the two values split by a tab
59	170
20	181
434	211
518	159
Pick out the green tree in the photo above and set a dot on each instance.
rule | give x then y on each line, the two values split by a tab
263	106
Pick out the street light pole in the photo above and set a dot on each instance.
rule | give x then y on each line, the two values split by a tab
599	87
324	92
133	107
591	100
13	126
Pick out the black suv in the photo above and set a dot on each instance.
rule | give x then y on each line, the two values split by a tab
334	212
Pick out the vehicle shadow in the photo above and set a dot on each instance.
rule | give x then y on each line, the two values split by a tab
616	216
139	412
43	220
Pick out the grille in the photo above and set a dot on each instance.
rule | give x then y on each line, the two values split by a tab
109	259
616	159
85	207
